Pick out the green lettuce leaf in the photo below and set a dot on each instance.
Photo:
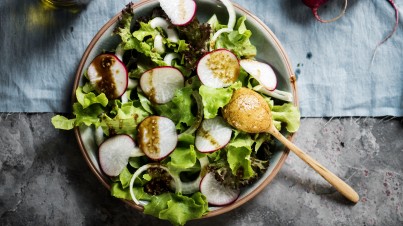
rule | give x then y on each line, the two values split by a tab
182	158
287	114
119	192
61	122
238	40
88	99
145	31
124	193
125	176
126	120
179	109
177	208
130	42
88	116
215	98
238	155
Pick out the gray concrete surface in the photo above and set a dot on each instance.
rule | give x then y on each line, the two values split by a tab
44	179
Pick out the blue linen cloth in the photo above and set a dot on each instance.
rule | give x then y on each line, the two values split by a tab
336	75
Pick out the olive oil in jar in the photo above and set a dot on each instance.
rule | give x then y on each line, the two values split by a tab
72	5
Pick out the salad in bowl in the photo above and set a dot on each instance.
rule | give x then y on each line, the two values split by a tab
149	102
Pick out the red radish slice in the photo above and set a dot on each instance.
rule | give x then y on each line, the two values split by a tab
218	69
108	75
213	134
181	12
161	83
114	154
164	25
262	72
216	193
157	137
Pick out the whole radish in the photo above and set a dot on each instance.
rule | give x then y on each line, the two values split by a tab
315	4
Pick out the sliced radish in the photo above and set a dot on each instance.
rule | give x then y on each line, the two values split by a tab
114	153
216	193
157	137
108	75
161	83
164	25
218	69
181	12
262	72
213	134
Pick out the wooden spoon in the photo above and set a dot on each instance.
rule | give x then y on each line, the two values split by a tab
249	112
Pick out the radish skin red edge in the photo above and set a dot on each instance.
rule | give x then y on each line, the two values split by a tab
212	135
114	153
157	137
262	72
180	12
161	83
216	193
315	4
218	68
106	69
392	3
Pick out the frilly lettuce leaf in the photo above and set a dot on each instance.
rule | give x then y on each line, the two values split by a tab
86	110
215	98
182	158
88	116
286	114
238	155
125	121
130	42
124	193
179	109
62	122
145	31
238	40
88	99
177	208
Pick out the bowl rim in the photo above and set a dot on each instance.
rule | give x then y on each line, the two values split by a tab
239	202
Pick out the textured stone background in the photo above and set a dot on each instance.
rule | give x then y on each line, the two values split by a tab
44	179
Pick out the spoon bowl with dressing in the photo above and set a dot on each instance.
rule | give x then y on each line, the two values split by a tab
249	112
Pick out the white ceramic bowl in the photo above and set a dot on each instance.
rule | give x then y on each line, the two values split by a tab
269	50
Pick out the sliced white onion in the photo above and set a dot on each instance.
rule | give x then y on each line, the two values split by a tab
193	186
164	25
169	57
278	94
144	168
158	44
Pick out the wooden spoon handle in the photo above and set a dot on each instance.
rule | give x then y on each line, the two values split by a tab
339	184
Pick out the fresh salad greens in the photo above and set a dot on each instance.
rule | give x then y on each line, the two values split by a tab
157	112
